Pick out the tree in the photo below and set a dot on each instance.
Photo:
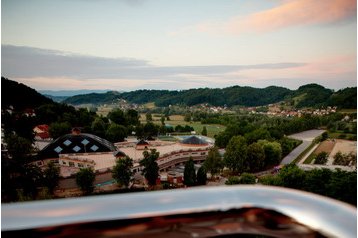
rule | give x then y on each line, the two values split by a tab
273	152
292	176
98	127
321	158
204	132
84	179
122	171
257	134
213	162
18	147
151	168
187	117
201	176
150	129
132	117
236	154
31	179
117	116
58	129
51	176
162	120
116	132
148	117
189	173
255	157
324	136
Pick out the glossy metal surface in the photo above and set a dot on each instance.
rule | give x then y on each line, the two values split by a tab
236	207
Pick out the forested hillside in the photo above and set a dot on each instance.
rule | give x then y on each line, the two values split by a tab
246	96
310	95
20	96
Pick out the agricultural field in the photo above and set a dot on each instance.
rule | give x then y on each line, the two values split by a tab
212	129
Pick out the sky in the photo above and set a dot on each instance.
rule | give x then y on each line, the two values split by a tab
126	45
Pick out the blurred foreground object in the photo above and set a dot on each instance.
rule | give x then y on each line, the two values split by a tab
195	212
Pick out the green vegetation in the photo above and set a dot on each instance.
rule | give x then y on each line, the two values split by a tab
122	171
245	178
345	159
20	96
84	179
230	96
151	169
236	154
321	158
336	184
201	176
189	173
213	163
51	176
310	95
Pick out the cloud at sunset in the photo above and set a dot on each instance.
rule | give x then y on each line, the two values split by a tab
48	69
295	13
287	14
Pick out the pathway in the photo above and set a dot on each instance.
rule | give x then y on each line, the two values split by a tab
307	137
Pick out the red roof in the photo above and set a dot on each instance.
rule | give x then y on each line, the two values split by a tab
43	127
43	135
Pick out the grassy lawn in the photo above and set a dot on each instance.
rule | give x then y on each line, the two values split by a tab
309	159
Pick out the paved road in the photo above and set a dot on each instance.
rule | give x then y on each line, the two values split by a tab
307	137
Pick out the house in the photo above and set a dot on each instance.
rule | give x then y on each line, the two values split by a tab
42	132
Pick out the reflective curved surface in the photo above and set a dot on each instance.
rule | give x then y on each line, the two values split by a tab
195	212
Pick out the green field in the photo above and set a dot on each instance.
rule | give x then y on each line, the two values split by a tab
347	111
212	129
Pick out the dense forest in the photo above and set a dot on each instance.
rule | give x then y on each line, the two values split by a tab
20	96
310	95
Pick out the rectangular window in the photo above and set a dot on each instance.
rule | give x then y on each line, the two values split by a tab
80	165
63	162
71	164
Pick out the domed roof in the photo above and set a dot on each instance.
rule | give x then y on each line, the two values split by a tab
194	140
76	143
142	142
119	153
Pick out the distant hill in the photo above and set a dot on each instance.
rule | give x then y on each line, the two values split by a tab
310	95
20	96
56	98
93	98
230	96
70	93
345	98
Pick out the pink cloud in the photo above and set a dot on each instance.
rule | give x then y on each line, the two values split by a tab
298	12
288	13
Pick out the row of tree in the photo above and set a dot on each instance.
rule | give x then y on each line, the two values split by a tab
338	184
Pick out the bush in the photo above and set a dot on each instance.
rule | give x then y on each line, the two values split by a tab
245	178
321	158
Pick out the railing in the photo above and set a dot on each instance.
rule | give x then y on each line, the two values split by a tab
194	212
